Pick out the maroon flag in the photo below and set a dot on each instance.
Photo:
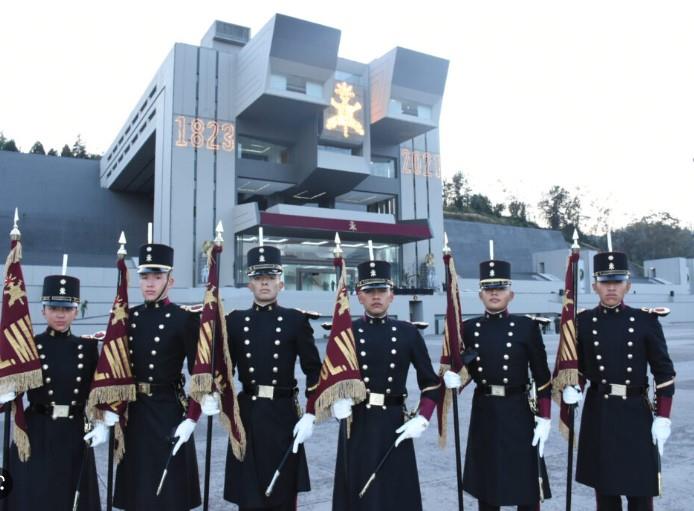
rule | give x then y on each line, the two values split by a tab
452	344
113	384
20	367
566	366
213	326
340	377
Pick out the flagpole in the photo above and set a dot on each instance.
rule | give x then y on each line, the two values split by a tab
569	466
15	236
219	241
454	397
339	270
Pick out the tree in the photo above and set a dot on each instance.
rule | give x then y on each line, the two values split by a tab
654	237
78	148
480	203
66	152
456	193
2	140
52	152
9	145
518	210
561	210
37	148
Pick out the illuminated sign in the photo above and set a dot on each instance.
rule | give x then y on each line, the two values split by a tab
204	134
345	116
420	163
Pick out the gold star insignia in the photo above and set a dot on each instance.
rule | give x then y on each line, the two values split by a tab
14	290
343	301
209	297
119	312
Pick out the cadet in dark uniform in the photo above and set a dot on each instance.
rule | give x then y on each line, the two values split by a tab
265	341
55	417
616	449
501	460
385	349
161	335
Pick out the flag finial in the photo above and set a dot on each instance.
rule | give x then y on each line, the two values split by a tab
446	248
337	251
218	231
121	240
14	233
575	245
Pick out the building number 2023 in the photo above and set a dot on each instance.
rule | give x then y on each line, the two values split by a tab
205	134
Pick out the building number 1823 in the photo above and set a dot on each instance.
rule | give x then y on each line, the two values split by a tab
204	134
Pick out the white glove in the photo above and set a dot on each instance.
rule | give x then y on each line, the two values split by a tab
342	408
210	404
98	435
183	432
303	430
571	395
660	431
413	428
7	397
452	380
541	433
110	418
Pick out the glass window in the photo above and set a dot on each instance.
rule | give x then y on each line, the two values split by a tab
308	263
262	150
382	167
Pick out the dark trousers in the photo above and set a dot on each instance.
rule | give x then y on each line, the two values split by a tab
483	506
614	503
288	506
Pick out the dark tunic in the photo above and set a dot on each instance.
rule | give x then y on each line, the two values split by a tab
264	345
385	349
501	465
47	481
616	455
161	336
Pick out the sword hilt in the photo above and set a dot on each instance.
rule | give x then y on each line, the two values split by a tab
271	486
366	486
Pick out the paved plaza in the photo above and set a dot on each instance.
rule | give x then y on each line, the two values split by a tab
437	466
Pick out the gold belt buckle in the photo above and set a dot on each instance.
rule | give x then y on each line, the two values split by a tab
144	388
376	399
617	389
61	411
266	391
497	390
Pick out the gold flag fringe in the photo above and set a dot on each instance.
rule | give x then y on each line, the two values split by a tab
346	389
21	382
448	400
20	438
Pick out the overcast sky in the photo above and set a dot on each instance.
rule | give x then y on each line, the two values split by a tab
596	96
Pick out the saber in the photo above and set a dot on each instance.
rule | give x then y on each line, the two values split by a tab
271	486
166	467
378	467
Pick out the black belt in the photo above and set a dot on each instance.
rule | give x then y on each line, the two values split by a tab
501	390
619	390
269	391
150	389
58	411
376	399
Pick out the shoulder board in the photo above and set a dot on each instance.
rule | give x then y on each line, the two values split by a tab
96	336
326	325
193	308
421	325
310	314
658	311
539	319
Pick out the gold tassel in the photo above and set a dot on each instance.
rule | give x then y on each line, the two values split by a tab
346	389
20	438
200	385
109	394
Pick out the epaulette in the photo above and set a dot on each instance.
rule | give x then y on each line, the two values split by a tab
539	319
193	308
96	336
658	311
326	325
421	325
310	314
